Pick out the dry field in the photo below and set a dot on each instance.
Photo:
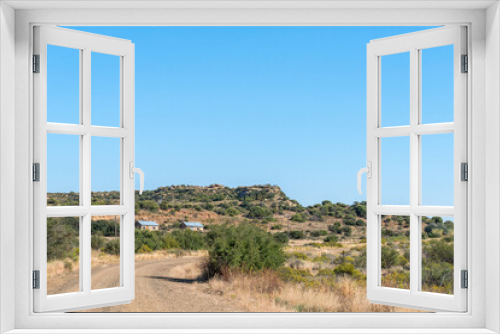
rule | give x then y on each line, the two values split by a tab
169	282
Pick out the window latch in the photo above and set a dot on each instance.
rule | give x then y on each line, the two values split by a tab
132	171
368	171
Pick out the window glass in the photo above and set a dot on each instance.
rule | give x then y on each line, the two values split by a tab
395	89
63	169
63	85
63	255
105	90
105	243
437	84
437	254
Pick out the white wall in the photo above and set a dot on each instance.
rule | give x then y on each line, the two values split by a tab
7	160
493	163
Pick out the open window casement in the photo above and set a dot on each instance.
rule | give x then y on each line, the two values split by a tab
87	137
421	292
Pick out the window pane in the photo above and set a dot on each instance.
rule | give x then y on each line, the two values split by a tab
106	171
395	89
105	90
437	254
63	85
395	252
437	84
63	169
437	170
395	171
63	255
105	243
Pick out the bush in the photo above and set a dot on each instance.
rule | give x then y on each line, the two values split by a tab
331	240
62	237
259	212
244	247
298	217
189	240
348	269
389	257
320	233
347	231
277	227
232	212
96	241
440	251
148	205
297	235
281	237
360	222
169	241
112	247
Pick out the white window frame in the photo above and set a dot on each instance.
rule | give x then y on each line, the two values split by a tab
86	44
483	211
414	43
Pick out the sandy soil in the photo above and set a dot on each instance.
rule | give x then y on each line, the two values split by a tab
168	285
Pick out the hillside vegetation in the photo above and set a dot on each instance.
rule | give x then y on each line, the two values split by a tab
250	229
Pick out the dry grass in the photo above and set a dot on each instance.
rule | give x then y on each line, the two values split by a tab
266	292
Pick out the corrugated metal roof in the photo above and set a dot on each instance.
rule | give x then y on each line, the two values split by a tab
147	223
193	224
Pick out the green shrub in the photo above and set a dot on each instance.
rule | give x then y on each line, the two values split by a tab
96	241
144	249
299	218
322	259
297	235
112	247
300	256
389	257
276	227
259	212
148	205
62	237
348	269
244	247
281	237
189	240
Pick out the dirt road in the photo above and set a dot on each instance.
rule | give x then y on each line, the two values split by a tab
168	285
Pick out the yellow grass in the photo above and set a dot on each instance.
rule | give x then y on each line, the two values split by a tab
265	293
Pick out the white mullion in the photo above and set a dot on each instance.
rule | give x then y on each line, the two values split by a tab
444	211
399	210
102	131
394	131
414	167
85	165
420	130
431	129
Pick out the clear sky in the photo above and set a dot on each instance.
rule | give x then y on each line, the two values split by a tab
255	105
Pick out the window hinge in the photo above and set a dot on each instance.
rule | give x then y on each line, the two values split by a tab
465	64
36	63
465	279
464	171
36	172
36	279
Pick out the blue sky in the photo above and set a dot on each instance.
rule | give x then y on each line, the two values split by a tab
254	105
